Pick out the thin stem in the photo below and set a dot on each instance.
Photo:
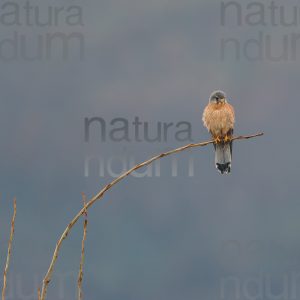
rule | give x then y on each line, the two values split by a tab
100	194
12	230
80	273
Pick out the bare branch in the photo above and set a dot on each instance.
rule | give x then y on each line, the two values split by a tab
80	274
100	194
12	230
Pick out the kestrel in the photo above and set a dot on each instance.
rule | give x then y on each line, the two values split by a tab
218	118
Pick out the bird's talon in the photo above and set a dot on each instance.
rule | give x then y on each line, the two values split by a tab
227	138
217	140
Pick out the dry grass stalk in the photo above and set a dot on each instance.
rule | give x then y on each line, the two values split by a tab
80	274
100	194
12	230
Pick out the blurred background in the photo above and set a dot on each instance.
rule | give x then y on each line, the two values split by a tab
190	234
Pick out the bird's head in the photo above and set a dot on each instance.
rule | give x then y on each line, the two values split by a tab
217	97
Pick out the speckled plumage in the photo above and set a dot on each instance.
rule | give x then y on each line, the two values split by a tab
219	119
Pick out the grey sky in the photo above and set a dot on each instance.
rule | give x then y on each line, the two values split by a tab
159	237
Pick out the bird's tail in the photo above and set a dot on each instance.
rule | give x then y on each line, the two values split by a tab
223	157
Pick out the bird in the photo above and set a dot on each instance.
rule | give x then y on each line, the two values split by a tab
219	119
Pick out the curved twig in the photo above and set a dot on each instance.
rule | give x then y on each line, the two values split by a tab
98	196
12	231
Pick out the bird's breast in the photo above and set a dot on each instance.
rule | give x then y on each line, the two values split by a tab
218	119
